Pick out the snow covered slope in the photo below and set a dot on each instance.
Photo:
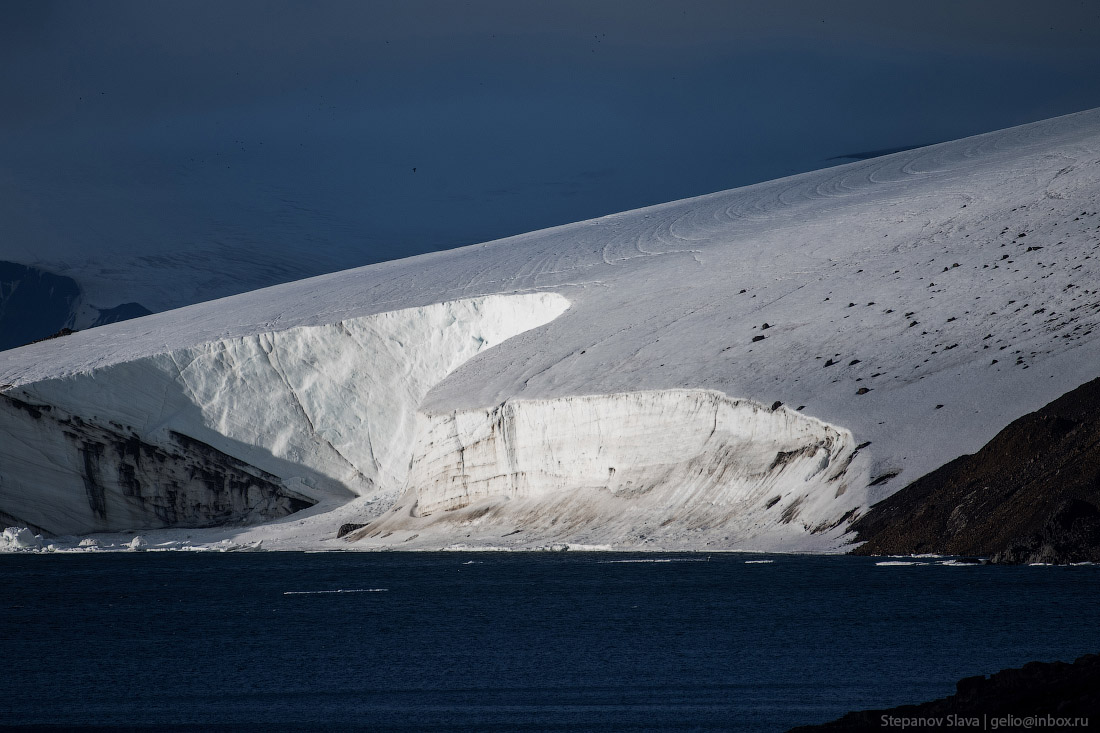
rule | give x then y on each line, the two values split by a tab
916	303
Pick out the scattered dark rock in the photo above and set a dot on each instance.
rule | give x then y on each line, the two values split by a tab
776	405
765	326
853	362
829	362
863	390
761	337
1060	695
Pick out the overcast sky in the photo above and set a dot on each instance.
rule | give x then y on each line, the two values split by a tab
155	127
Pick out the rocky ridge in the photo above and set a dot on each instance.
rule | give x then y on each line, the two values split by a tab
1030	495
1048	696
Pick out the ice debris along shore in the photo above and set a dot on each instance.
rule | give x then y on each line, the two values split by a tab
21	539
906	308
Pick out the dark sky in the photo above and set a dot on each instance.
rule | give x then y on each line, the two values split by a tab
155	128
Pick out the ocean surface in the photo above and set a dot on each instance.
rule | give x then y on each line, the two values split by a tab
511	642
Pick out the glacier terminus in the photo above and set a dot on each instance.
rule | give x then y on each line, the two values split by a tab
746	370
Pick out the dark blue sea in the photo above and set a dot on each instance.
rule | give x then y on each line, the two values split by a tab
510	642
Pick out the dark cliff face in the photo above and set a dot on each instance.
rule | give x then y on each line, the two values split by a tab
1030	495
1056	691
130	483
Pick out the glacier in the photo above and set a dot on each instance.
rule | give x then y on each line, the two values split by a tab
246	428
725	364
673	469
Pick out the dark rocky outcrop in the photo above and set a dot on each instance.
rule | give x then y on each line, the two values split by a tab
1071	534
1030	495
348	528
60	334
1057	692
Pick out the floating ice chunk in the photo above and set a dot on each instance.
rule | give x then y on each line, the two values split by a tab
21	538
138	543
338	590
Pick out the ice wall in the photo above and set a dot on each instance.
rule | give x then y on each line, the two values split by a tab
309	413
671	468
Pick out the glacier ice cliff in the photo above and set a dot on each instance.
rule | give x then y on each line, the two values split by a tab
667	468
242	429
914	303
251	429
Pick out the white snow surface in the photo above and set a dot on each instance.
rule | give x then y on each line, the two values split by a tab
907	275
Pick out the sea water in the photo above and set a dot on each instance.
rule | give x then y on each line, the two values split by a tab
512	641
